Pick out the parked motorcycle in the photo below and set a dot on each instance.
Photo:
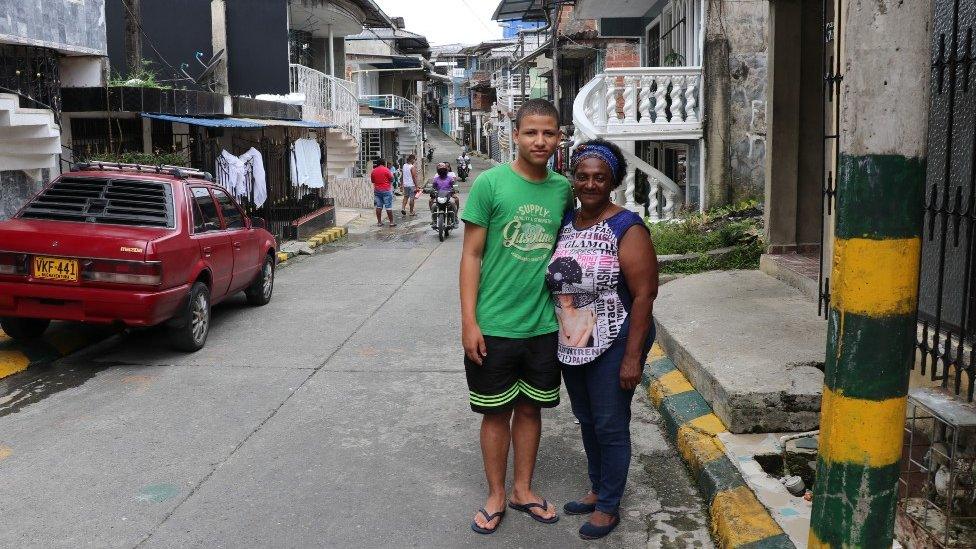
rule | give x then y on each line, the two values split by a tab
444	212
463	166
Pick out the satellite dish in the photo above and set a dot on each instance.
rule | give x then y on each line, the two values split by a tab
206	76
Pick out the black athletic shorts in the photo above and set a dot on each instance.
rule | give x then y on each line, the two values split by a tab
515	369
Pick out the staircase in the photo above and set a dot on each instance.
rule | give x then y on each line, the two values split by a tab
632	104
30	139
408	124
331	101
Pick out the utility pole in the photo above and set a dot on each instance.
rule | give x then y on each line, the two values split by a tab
874	286
132	41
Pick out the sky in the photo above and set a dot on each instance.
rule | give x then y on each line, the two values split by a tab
447	21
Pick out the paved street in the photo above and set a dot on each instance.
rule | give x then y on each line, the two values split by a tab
336	416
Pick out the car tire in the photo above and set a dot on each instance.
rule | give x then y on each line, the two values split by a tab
24	329
190	331
259	292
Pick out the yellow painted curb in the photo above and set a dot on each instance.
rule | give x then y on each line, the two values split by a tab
738	518
12	362
282	257
698	447
671	383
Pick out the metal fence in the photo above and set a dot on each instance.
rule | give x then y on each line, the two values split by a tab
33	73
286	203
947	294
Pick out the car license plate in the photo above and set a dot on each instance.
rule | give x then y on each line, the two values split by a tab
56	268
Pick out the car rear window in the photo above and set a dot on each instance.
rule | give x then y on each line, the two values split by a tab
109	201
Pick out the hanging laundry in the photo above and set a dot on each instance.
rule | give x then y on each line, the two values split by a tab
232	174
259	182
306	164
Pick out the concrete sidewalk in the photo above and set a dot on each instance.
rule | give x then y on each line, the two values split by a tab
753	346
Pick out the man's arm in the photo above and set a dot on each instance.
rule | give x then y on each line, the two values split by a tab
471	253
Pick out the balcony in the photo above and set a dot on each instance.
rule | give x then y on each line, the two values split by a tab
642	103
326	99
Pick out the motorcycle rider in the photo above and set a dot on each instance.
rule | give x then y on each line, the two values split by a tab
443	181
464	163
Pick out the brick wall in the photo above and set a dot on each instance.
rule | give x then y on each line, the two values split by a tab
622	54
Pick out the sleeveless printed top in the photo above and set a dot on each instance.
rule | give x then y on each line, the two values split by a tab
591	296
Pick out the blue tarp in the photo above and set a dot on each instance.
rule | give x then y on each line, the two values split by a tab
250	123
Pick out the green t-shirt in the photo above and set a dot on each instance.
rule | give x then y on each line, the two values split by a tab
523	218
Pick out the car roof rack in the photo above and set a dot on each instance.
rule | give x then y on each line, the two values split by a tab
176	171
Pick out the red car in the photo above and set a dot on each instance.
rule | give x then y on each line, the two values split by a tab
131	245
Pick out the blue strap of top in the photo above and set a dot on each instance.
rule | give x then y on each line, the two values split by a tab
619	224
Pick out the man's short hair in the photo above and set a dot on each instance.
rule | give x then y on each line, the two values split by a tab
379	162
411	158
540	107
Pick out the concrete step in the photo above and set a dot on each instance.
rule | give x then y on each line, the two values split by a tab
750	344
39	145
26	161
34	131
26	117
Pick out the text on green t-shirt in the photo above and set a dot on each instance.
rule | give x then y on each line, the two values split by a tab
522	218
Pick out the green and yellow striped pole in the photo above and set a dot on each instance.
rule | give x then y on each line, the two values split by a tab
874	281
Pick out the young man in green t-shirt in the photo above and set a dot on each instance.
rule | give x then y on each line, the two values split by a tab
508	323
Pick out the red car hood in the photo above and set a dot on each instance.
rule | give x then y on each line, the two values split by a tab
72	239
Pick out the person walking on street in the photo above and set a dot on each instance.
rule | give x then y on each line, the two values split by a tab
409	185
603	276
508	325
382	180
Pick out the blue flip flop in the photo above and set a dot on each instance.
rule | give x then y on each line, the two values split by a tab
489	518
527	509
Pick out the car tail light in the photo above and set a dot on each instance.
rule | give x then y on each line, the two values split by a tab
146	273
13	264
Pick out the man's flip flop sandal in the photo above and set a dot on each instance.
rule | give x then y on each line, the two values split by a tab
527	509
489	518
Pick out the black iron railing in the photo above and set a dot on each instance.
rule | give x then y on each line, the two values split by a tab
33	74
947	293
286	204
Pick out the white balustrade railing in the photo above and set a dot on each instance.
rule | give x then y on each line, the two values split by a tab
642	103
326	99
646	100
411	112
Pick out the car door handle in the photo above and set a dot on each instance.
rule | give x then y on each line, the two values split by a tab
207	250
237	245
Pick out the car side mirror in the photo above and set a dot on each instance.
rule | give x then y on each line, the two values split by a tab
258	223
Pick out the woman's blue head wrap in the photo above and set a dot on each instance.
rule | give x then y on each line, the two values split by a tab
595	150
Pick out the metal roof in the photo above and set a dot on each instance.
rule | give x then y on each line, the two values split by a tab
406	41
248	123
511	10
375	16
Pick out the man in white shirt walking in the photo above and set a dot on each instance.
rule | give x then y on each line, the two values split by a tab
409	184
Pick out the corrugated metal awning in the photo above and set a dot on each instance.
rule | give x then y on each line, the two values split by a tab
205	122
248	123
511	10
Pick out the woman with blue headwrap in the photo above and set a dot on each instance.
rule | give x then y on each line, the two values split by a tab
604	267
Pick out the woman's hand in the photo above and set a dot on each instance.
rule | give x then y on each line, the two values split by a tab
630	373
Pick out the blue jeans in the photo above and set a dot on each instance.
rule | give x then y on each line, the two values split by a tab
383	199
603	410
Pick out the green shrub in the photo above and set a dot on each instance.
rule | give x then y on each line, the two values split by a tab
140	77
131	157
738	225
